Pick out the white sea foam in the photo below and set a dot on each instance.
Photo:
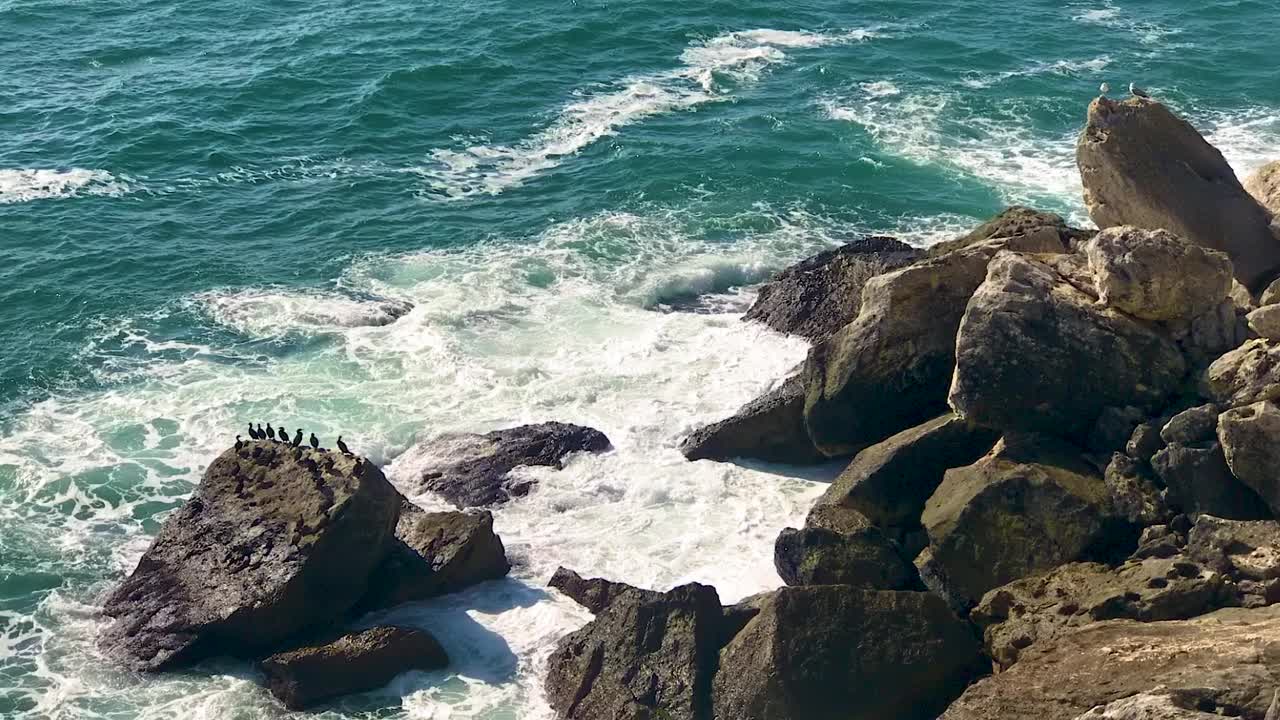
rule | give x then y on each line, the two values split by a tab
25	185
737	57
272	313
1113	17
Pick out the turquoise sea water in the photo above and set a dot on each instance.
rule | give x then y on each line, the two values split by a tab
209	211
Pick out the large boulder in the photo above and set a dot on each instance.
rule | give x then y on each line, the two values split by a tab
473	470
1265	321
1250	438
830	550
821	294
1036	353
436	554
888	370
769	428
1239	549
1013	222
1224	662
1029	505
891	481
276	541
1264	186
645	656
1199	481
1034	611
1246	375
1156	275
835	652
1142	165
354	662
1134	495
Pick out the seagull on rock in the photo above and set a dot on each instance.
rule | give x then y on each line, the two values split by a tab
1138	92
1104	88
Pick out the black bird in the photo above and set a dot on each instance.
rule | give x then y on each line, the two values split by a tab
262	434
284	434
253	434
297	439
271	432
315	442
239	443
342	447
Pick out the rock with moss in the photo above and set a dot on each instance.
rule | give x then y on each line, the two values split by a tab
832	549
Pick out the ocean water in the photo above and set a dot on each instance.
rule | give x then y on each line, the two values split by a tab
210	211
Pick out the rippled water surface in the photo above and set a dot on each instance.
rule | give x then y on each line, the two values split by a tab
212	212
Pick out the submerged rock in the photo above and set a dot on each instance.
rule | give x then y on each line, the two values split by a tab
472	470
275	542
819	295
352	663
1141	165
769	428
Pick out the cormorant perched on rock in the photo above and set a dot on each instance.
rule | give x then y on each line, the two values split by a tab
239	443
342	447
253	434
297	439
355	469
1138	92
262	434
315	442
271	432
284	434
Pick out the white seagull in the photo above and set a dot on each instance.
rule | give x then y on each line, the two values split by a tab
1105	88
1138	92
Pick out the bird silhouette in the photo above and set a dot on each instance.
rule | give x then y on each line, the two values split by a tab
315	442
1138	92
271	432
284	434
262	434
342	447
297	439
239	443
253	434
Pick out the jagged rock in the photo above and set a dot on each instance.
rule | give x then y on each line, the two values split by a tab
1250	438
819	295
1159	541
1026	328
436	554
1145	441
1199	481
861	557
1156	275
888	370
1265	321
594	594
838	653
769	428
1036	610
1264	186
1133	493
1012	222
472	470
644	656
352	663
275	542
737	615
1246	375
1193	425
1030	505
1239	549
1221	662
1141	165
889	482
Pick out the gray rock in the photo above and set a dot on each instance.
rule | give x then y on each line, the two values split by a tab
472	470
1246	375
1113	428
1239	549
1141	165
819	295
1199	481
1265	321
1271	295
861	557
1193	425
354	662
1250	438
1146	706
274	543
769	428
838	653
1264	186
1134	495
1156	275
594	594
1145	441
1013	222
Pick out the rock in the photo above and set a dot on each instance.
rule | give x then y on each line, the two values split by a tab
1113	428
1156	275
1264	186
1029	505
1271	295
1199	481
1250	438
819	295
1013	222
1146	706
1193	425
889	482
352	663
888	370
1141	165
769	428
1145	441
1265	321
436	554
274	543
1159	541
1240	550
1221	662
1246	375
1133	493
472	470
861	557
838	653
644	656
1026	329
1035	611
594	594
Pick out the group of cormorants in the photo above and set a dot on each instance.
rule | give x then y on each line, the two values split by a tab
282	436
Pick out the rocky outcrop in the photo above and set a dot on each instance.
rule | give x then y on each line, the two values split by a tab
1223	663
1246	375
275	542
594	594
832	550
352	663
1250	438
1013	222
1029	505
645	656
1027	329
888	370
821	294
436	554
769	428
838	653
1264	186
472	470
1034	611
1142	165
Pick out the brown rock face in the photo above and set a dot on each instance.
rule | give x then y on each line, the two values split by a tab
1144	166
1264	186
1246	375
1156	275
354	662
276	541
